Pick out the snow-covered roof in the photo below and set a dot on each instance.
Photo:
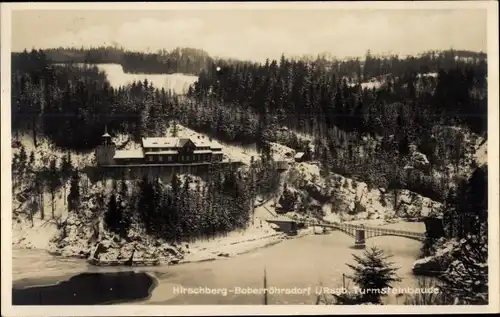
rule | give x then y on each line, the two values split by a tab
198	141
159	142
299	155
215	145
124	154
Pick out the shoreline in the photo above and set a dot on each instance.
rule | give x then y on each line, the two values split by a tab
246	246
211	250
204	250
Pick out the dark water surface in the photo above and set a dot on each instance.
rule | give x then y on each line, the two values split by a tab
88	289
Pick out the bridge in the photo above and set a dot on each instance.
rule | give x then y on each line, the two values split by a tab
359	232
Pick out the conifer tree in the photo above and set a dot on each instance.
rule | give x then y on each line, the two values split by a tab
111	216
372	275
123	206
74	192
66	166
54	183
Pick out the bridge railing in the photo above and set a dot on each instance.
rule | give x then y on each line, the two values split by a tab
376	230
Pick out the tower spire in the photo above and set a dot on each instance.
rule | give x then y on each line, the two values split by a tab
106	138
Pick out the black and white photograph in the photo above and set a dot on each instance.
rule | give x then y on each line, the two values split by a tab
181	155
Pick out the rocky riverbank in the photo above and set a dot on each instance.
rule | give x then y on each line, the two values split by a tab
82	236
442	255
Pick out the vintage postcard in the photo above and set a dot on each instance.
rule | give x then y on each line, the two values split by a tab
249	158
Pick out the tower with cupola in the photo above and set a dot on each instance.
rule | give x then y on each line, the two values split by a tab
106	150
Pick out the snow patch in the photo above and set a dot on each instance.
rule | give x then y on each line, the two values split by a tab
46	151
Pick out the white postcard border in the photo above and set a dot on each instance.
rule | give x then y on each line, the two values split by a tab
124	310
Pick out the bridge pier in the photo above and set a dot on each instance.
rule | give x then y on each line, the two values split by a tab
360	239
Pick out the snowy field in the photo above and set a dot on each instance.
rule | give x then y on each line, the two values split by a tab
179	83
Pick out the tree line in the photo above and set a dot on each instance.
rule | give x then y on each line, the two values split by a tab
183	60
311	97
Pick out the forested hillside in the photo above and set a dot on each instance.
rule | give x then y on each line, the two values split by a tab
421	122
180	60
408	133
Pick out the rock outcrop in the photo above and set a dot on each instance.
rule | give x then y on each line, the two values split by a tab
439	262
355	200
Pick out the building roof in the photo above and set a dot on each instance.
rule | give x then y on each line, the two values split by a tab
159	142
198	141
126	154
182	141
299	155
215	145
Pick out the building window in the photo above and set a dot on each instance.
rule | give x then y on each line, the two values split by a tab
169	158
160	158
150	158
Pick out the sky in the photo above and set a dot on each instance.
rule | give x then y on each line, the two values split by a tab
255	34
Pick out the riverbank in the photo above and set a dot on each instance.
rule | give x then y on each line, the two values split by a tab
77	243
256	236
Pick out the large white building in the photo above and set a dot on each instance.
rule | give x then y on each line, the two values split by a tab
161	151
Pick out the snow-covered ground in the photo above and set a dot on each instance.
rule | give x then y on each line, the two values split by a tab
372	204
259	235
45	151
85	229
179	83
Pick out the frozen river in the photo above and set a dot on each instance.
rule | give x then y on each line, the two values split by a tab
304	262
